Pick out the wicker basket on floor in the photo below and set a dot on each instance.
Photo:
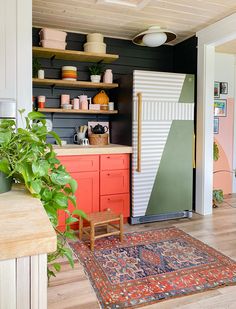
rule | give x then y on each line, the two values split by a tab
98	139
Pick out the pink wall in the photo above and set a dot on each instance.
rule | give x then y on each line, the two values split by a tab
224	140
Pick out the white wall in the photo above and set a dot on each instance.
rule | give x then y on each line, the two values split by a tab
225	72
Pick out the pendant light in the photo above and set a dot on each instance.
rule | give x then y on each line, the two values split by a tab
153	37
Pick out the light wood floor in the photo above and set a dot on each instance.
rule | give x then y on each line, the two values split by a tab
72	290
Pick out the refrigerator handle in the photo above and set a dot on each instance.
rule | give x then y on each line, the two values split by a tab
139	95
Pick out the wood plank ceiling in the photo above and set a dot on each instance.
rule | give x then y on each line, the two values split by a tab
124	19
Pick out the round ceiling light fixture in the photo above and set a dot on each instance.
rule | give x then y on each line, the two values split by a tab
154	37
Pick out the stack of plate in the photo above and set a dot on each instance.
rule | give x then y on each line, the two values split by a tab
95	44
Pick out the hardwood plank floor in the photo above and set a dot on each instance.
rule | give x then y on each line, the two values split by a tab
71	288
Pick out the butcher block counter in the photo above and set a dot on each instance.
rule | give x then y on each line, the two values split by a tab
76	150
26	236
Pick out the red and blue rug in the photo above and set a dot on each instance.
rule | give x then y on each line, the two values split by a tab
152	266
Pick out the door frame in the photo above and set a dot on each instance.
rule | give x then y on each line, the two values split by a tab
208	38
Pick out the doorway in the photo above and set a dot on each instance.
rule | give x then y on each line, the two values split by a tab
208	38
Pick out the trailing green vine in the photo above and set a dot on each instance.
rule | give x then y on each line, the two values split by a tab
26	156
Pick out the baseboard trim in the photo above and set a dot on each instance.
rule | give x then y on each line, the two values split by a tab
161	217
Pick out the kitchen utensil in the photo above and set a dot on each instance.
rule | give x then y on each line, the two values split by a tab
52	34
78	137
95	107
65	99
84	101
101	98
67	106
95	47
99	129
108	76
84	142
53	44
95	37
69	73
111	106
104	107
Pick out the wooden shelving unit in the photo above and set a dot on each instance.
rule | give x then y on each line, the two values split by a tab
75	111
72	84
75	55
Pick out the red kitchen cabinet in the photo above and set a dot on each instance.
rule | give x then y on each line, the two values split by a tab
87	194
75	164
103	182
118	203
114	182
114	162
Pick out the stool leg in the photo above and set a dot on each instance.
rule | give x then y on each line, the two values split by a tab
121	228
81	223
92	235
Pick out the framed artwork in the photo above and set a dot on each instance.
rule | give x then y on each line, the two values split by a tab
224	88
216	125
216	89
220	108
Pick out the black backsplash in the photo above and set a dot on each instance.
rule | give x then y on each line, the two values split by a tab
131	57
164	58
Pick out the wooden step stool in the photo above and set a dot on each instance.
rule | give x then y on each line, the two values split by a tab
105	218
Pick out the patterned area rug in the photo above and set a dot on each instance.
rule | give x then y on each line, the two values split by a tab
152	266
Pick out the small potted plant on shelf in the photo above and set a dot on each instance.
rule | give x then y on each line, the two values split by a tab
27	158
36	66
96	71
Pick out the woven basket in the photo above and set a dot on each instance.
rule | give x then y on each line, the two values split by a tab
98	139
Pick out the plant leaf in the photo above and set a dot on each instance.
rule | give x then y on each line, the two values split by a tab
80	213
5	166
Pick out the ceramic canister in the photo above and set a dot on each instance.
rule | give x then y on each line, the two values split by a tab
108	76
41	101
75	103
69	73
65	99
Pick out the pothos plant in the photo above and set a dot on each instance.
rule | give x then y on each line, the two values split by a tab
217	194
26	156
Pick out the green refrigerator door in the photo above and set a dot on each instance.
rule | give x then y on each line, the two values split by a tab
172	189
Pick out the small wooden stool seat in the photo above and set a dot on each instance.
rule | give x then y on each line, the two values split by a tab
105	218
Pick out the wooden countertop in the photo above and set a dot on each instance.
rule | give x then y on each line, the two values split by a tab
25	229
75	150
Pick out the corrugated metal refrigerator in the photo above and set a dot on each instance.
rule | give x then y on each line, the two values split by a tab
162	117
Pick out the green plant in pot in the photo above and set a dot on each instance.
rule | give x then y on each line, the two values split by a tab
96	71
27	158
217	194
36	65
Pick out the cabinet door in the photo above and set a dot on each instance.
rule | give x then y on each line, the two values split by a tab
75	164
114	162
8	49
118	203
87	193
114	182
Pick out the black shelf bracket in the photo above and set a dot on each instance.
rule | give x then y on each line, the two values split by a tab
52	59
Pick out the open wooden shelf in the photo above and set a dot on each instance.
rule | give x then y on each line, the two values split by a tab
73	55
72	84
75	111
